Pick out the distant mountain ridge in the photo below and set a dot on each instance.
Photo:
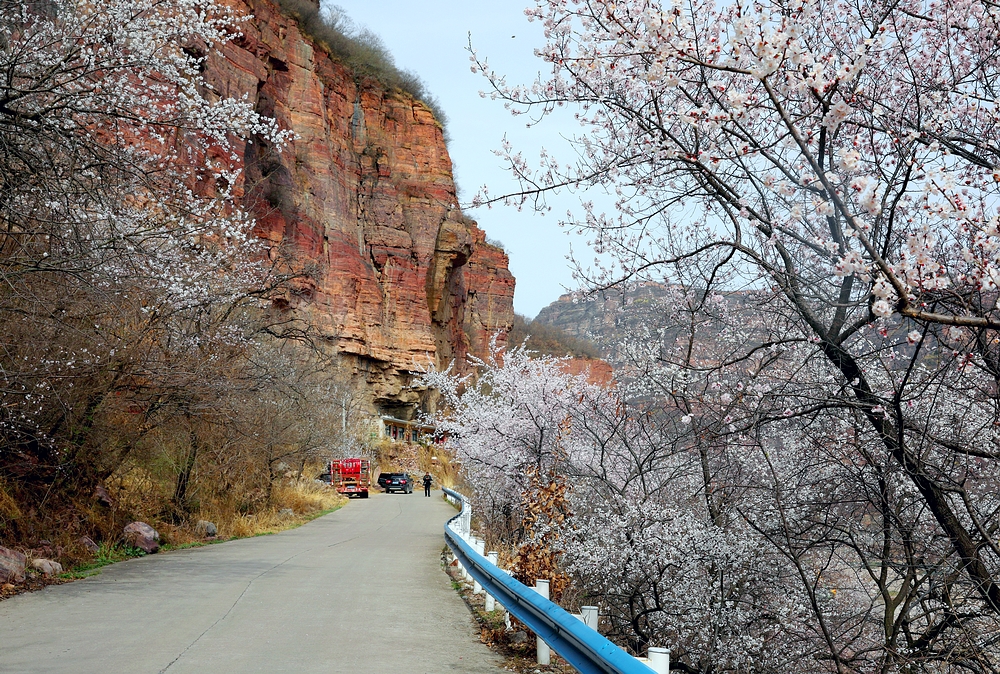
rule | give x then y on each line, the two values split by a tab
601	319
548	339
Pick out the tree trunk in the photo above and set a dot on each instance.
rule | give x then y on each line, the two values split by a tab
184	476
933	495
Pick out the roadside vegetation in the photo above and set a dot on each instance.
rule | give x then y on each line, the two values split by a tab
416	459
516	644
295	502
796	470
148	370
106	554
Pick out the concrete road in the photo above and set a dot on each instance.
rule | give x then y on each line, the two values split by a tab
359	590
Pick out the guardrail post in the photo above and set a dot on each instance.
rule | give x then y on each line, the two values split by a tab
491	603
659	659
506	613
590	616
480	547
542	648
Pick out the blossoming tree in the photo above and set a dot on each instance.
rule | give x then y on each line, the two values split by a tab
818	181
125	261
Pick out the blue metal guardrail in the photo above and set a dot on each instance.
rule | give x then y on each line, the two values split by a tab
584	648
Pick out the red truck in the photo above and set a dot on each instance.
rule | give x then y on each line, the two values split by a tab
351	477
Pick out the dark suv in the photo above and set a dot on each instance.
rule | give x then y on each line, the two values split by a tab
396	482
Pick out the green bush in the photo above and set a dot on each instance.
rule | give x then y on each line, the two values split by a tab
107	554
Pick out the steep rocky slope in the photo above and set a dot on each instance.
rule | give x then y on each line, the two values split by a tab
364	203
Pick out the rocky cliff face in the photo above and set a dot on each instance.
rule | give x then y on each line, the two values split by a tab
594	318
364	202
596	370
606	317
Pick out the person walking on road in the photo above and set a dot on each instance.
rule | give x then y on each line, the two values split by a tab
427	484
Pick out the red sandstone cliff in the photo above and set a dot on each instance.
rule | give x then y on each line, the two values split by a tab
597	371
363	199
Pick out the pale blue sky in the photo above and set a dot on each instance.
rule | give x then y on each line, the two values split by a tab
430	37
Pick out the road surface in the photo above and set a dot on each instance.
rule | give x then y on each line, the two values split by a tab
359	590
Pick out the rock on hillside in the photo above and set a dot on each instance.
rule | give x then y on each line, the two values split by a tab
12	564
364	202
582	355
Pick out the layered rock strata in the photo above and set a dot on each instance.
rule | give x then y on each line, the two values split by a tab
363	202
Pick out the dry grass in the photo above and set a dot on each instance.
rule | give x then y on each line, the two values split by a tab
237	513
417	459
304	497
441	464
8	506
393	457
136	490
